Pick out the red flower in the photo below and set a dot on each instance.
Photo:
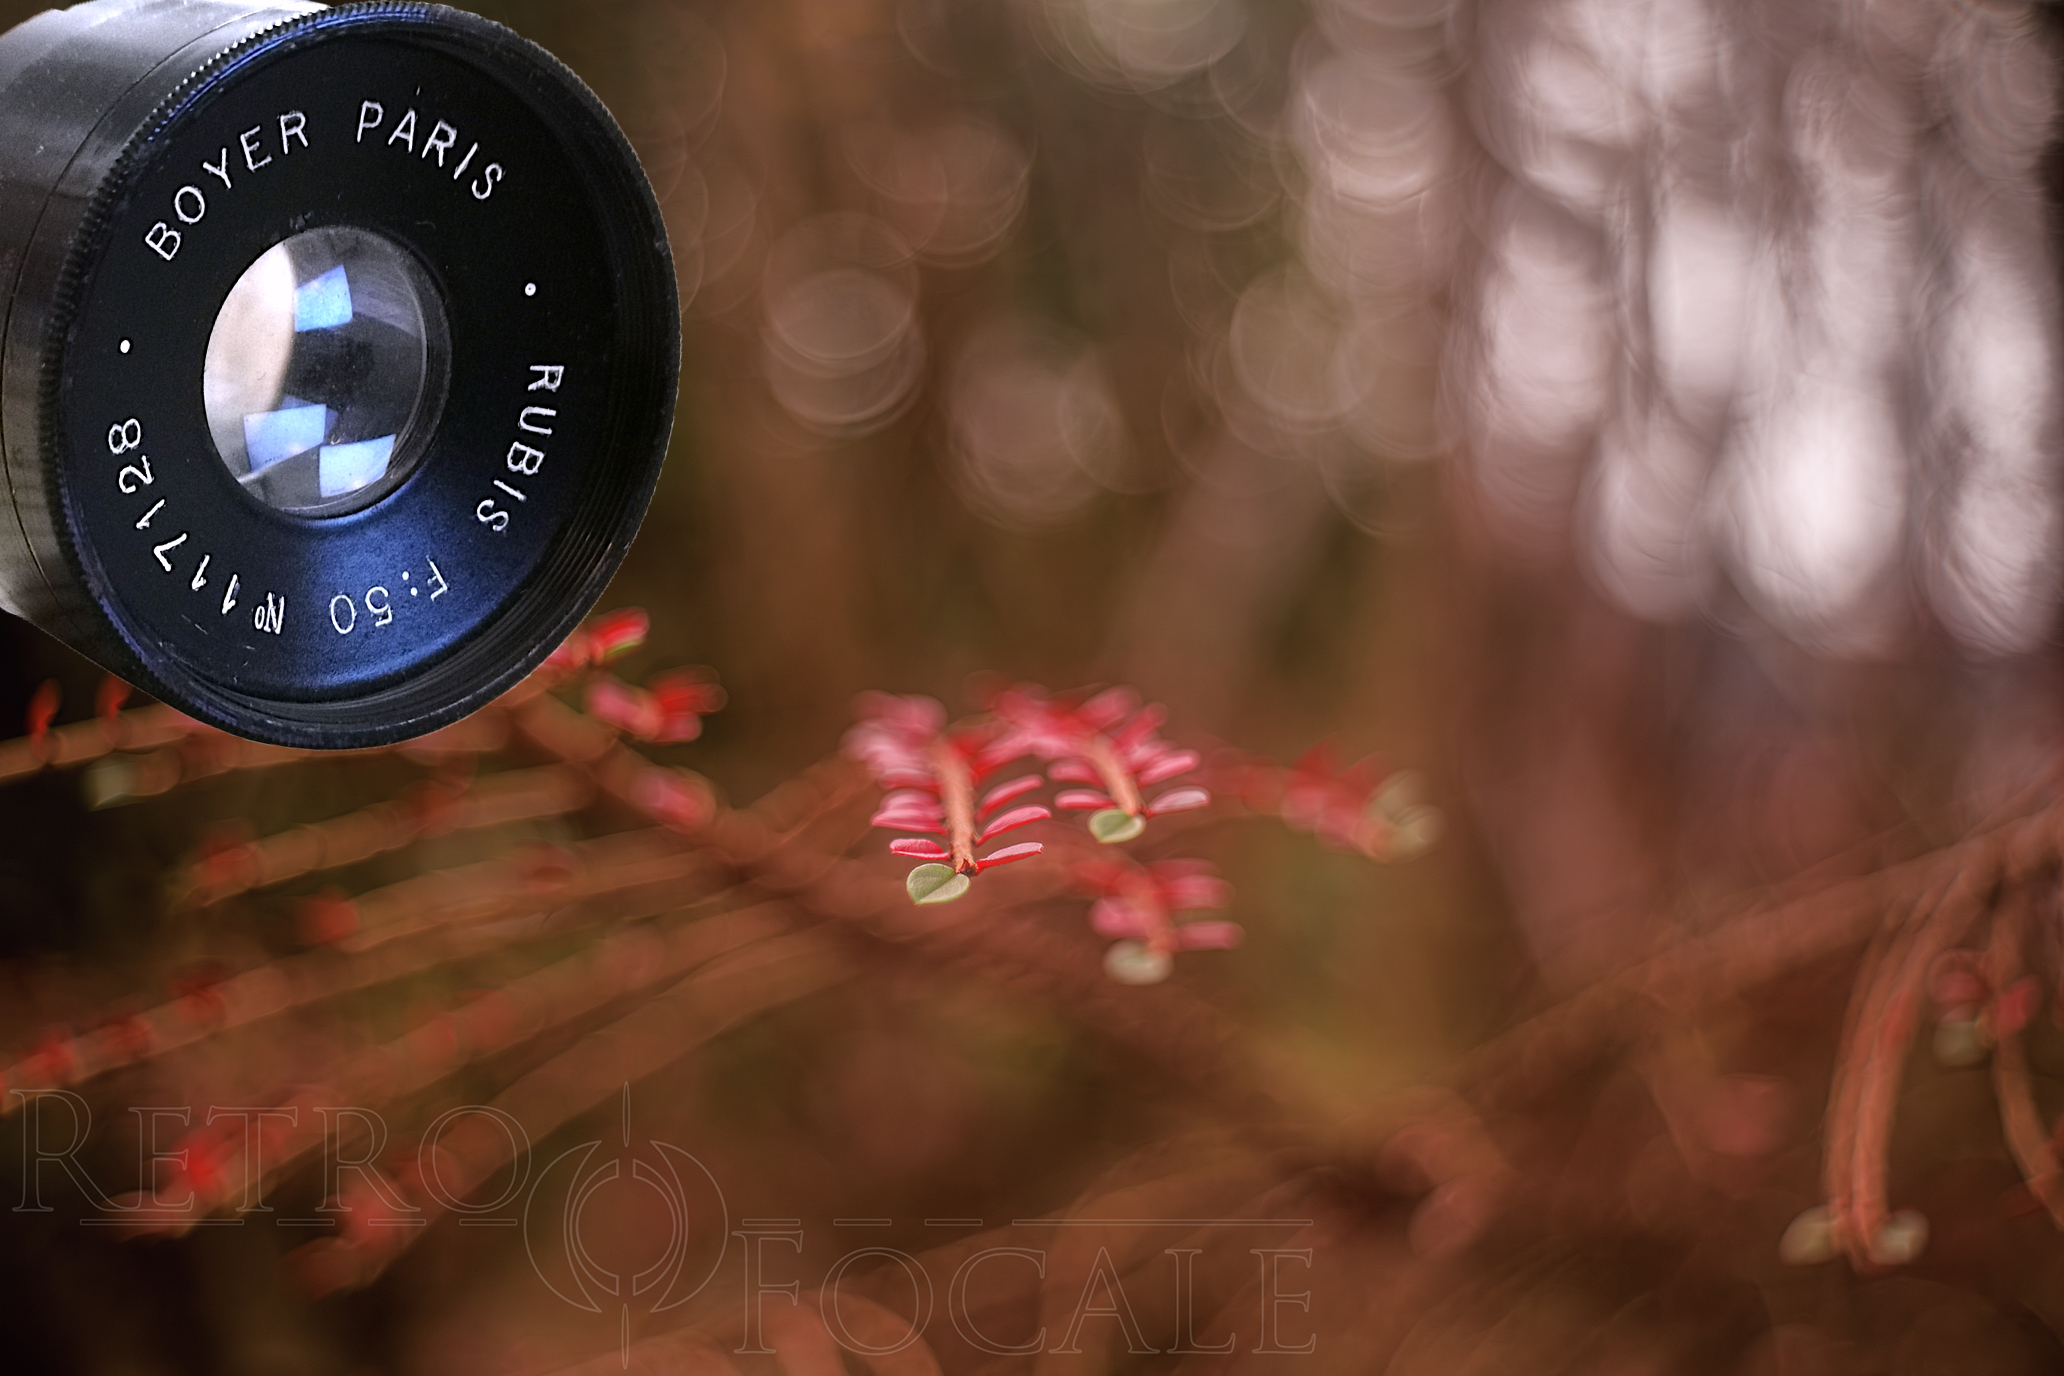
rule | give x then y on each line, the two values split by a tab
1106	740
930	775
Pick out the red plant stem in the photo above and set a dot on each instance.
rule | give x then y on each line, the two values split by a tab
496	801
1145	897
1125	794
1861	1020
630	962
957	796
730	987
89	740
1885	1040
431	919
2019	1118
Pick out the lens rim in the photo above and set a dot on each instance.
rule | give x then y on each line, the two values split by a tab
634	430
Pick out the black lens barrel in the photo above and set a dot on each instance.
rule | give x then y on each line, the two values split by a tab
154	151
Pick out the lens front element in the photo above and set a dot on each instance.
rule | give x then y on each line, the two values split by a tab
325	371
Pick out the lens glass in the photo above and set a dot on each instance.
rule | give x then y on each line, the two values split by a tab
325	371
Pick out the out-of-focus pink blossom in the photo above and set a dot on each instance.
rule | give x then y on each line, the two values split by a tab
671	799
1136	909
1971	1014
607	637
668	710
1363	807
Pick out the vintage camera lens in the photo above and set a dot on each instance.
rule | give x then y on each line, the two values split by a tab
339	355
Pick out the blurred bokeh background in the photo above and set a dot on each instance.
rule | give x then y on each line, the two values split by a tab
1636	418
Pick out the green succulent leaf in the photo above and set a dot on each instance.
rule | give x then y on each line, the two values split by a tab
1135	962
935	884
1959	1042
1113	825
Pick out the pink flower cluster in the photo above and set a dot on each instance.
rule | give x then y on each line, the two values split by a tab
1107	742
1106	745
931	776
1136	910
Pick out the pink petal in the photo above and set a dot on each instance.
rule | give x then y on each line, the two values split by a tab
907	777
1338	828
911	802
923	811
678	727
1080	800
1200	891
1023	851
1074	772
1004	792
619	632
667	797
905	821
1302	807
1107	707
1114	918
1140	729
918	850
906	716
1208	936
624	707
893	817
1012	820
1179	800
1168	766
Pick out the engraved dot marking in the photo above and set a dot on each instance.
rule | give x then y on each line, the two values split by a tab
125	346
530	289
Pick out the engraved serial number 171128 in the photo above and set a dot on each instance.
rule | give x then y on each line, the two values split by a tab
135	478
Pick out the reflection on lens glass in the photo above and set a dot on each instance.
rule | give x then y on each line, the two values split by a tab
325	371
